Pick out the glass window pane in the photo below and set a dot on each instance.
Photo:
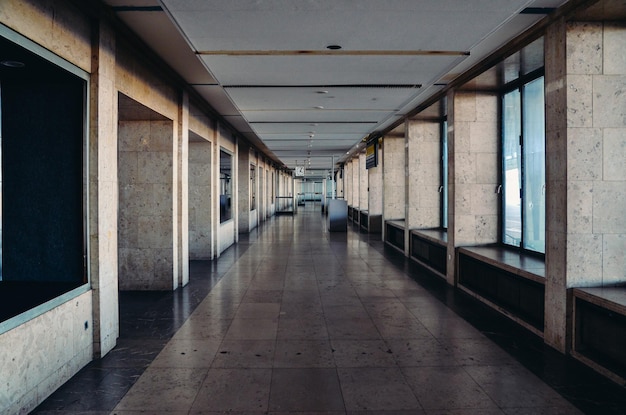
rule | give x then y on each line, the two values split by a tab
444	176
534	166
225	186
511	165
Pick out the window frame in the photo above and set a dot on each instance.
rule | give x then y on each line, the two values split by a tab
11	36
517	85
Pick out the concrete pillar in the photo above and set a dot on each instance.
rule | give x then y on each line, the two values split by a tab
394	176
356	183
103	192
181	192
586	169
363	184
147	245
424	164
473	172
375	180
200	184
243	193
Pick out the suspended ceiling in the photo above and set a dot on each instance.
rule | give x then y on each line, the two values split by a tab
266	65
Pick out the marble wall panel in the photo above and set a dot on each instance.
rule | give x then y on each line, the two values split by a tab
53	24
614	58
584	265
609	201
375	202
146	224
614	154
579	208
394	188
484	200
200	236
484	137
487	165
465	168
584	153
356	183
613	258
363	184
58	345
584	48
580	101
609	101
465	107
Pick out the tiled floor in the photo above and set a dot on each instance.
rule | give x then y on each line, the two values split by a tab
295	320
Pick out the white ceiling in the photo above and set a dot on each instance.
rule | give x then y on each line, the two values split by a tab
264	64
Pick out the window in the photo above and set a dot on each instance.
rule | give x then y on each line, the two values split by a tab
444	175
523	166
252	187
43	215
226	186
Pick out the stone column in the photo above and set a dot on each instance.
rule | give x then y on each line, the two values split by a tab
424	164
243	194
356	183
103	193
363	183
182	191
586	168
473	139
394	175
375	194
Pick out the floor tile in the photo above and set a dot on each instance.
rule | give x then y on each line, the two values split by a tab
299	390
245	354
352	329
175	388
446	387
420	352
234	390
187	353
252	329
302	328
258	310
515	387
362	353
376	389
203	327
303	354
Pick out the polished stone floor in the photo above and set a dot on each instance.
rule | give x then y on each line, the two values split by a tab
296	320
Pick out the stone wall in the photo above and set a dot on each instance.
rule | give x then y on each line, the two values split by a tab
424	164
146	218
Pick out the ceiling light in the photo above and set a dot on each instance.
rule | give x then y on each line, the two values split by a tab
322	92
13	64
333	47
319	107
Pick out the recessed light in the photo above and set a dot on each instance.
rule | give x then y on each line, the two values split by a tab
322	92
319	107
13	64
333	47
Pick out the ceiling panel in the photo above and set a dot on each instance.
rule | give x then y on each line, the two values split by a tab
217	97
313	116
312	127
328	70
357	97
365	24
265	67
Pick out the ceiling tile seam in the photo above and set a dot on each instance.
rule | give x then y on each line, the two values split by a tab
313	53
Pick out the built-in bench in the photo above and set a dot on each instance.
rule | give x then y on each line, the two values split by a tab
370	223
599	338
509	281
429	248
350	213
394	234
356	216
